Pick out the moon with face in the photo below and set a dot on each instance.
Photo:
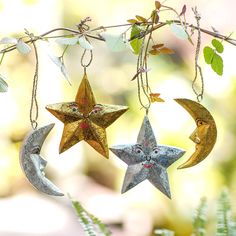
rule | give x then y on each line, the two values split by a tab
33	164
204	136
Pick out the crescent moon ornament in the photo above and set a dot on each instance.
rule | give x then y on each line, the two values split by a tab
33	164
204	136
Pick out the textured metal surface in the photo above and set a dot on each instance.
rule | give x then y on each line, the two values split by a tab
204	135
147	160
86	120
33	164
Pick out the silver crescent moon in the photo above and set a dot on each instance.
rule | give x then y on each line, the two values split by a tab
33	164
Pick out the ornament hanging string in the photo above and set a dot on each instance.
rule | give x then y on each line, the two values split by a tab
34	103
197	67
142	68
83	27
83	64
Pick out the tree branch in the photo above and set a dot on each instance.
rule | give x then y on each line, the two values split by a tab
89	34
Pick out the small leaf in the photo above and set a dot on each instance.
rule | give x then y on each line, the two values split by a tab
154	52
8	40
179	31
158	46
132	21
165	50
67	40
208	54
155	97
92	225
217	64
155	17
169	22
60	63
115	42
3	84
218	45
157	5
141	18
84	43
135	43
183	10
22	47
164	232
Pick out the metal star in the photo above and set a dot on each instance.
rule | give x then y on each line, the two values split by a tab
86	120
147	160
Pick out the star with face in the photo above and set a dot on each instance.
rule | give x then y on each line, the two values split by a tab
86	120
147	160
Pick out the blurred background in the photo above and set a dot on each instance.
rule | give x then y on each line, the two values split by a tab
82	172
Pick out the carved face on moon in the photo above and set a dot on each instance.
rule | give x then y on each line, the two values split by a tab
33	164
204	136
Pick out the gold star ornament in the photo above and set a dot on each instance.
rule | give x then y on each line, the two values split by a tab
86	120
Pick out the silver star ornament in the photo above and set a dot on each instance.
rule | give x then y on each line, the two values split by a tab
147	160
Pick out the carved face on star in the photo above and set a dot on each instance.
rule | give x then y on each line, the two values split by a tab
147	160
86	120
146	155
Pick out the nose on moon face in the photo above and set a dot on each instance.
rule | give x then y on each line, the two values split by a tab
195	137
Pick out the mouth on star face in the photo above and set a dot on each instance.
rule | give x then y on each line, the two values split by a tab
148	166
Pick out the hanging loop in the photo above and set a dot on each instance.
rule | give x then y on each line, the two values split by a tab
34	124
199	97
82	61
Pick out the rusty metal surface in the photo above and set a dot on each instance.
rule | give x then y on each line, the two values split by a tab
147	160
86	120
204	136
33	164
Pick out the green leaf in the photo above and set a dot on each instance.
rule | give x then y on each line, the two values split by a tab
141	19
208	54
218	45
91	225
217	64
60	63
169	22
67	40
135	43
200	219
3	84
225	220
8	40
179	31
84	43
23	47
115	42
164	232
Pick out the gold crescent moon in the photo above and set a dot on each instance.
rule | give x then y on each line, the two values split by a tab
204	135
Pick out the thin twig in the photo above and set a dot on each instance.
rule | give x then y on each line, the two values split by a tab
158	26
